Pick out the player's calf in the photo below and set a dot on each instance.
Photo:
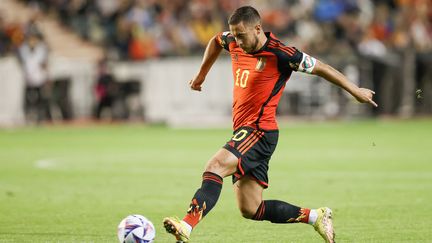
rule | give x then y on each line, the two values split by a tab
281	212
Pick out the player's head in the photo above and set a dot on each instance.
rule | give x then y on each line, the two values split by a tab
245	26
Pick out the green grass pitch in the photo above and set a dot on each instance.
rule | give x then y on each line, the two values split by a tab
75	184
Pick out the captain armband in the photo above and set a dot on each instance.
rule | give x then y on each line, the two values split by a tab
307	63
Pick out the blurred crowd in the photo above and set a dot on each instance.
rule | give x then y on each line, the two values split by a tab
393	36
141	29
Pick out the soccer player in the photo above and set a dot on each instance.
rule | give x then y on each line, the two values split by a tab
261	66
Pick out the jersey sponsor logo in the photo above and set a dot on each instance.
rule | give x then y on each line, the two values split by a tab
307	64
261	64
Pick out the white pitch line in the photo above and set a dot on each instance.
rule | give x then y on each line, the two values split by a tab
46	164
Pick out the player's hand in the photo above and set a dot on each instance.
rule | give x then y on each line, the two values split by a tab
195	84
365	96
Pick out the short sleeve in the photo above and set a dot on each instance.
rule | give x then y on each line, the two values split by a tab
224	39
292	59
289	57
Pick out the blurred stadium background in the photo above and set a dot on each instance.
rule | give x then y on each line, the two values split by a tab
119	69
132	59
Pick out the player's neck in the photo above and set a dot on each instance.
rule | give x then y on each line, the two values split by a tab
262	39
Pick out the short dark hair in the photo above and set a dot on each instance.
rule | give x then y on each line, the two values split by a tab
245	14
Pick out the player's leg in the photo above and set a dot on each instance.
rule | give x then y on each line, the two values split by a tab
250	180
249	197
222	164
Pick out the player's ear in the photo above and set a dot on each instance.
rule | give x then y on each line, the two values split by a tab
258	28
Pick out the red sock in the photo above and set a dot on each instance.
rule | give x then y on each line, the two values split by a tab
204	199
304	215
194	214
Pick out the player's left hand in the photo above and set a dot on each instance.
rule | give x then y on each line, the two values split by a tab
365	96
195	84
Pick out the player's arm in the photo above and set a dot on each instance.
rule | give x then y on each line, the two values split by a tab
332	75
211	53
300	61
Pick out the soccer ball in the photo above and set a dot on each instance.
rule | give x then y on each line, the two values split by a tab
136	229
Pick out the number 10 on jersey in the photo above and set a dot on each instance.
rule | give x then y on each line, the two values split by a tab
241	79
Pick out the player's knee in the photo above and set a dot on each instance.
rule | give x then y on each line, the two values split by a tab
247	212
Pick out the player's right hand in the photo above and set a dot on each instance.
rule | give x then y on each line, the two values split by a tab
195	84
365	96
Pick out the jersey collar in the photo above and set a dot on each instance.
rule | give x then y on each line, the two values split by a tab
269	35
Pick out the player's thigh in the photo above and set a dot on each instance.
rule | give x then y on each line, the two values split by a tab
223	163
249	195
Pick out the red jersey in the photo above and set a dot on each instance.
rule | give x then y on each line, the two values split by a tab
259	80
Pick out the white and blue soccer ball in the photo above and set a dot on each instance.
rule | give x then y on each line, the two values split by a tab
136	229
